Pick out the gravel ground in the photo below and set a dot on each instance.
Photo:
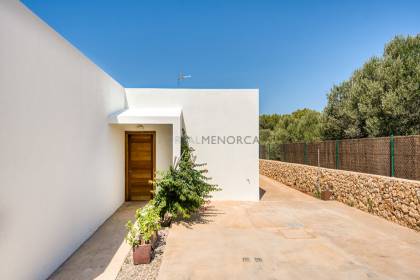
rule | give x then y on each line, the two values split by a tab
145	271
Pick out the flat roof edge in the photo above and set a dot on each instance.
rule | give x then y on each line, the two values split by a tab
194	89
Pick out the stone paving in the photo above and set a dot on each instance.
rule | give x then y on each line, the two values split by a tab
103	254
289	235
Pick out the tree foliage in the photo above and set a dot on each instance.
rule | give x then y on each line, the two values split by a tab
300	126
381	98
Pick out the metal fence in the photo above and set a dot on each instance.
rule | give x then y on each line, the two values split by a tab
397	156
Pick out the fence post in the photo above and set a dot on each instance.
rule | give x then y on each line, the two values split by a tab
268	149
337	157
391	148
284	152
305	153
318	158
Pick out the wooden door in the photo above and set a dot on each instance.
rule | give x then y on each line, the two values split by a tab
140	165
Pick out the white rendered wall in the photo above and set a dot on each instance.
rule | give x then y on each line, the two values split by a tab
215	112
61	164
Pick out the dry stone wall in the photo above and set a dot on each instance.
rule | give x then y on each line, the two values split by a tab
397	200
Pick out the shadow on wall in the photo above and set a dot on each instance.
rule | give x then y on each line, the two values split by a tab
262	192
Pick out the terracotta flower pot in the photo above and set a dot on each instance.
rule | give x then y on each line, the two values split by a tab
326	195
167	220
153	240
142	254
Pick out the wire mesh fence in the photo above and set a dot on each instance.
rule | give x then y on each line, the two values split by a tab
397	156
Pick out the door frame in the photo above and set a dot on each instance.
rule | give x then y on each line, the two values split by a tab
127	133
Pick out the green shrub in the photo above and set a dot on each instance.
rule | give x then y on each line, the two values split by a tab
133	234
184	188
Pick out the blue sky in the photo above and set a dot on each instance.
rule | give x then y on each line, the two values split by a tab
293	51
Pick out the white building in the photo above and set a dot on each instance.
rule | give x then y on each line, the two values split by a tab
75	144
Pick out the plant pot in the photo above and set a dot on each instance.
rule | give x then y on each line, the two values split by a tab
142	254
167	220
326	195
153	240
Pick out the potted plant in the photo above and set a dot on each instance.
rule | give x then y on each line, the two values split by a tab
326	194
141	249
142	234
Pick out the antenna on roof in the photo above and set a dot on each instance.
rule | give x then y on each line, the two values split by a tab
182	77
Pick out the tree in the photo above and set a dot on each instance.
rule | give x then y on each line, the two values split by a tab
265	135
381	98
269	121
301	126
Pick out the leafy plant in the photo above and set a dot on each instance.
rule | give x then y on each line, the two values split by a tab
146	224
370	205
133	234
149	220
184	188
317	193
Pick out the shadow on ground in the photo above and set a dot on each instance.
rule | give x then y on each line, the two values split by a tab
205	215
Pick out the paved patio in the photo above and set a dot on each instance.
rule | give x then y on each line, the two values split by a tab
289	235
102	255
